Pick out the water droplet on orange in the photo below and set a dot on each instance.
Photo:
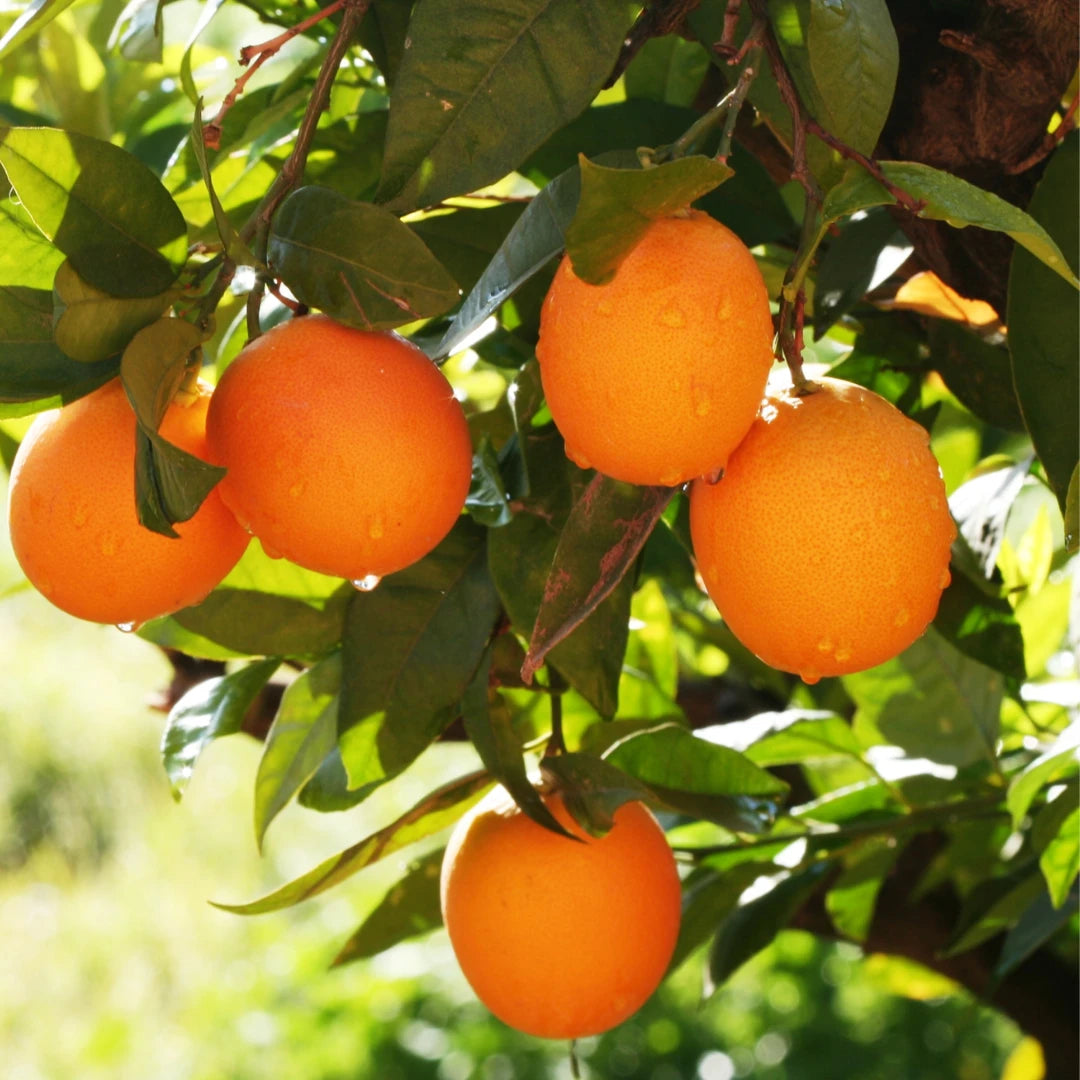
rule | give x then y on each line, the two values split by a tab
366	583
672	317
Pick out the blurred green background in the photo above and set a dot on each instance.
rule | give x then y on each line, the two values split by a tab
114	965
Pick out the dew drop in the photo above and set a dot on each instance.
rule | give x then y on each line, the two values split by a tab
127	627
702	404
714	477
946	579
843	652
376	529
108	545
810	677
605	307
825	646
671	479
578	458
270	552
673	317
366	583
296	490
902	617
78	519
723	309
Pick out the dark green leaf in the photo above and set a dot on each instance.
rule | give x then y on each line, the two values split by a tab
618	205
982	627
411	648
411	907
1060	858
672	758
302	734
91	326
854	57
932	701
208	711
1039	923
262	624
764	909
978	373
357	262
867	252
36	15
993	907
34	373
383	33
100	206
483	83
1044	324
600	541
668	69
437	810
27	259
593	789
851	899
1072	513
153	367
487	502
490	727
1059	759
946	198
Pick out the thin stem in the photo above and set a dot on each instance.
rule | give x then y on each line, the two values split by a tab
575	1067
793	295
1049	141
987	806
742	88
556	744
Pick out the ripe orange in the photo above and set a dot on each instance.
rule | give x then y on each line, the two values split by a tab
558	938
654	377
825	546
71	509
346	450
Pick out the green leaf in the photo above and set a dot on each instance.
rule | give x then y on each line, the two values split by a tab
34	18
1044	324
302	734
1039	923
618	205
854	57
487	502
481	84
932	701
1060	859
411	907
100	206
599	543
91	326
520	556
789	737
34	373
982	627
1059	759
170	483
490	727
383	33
357	262
27	259
981	507
851	899
437	810
411	648
593	789
256	623
994	906
533	241
208	711
671	758
946	198
763	910
867	252
1072	513
978	373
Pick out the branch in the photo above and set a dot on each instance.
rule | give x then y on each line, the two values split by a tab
657	19
1049	141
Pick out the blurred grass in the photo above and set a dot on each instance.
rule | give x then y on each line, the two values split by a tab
115	967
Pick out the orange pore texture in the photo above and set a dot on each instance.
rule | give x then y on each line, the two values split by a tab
345	449
560	939
71	509
654	377
825	546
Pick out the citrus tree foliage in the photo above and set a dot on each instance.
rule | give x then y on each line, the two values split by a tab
420	167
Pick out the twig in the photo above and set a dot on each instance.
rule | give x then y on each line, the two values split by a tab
555	744
726	44
260	54
657	19
793	296
1049	141
907	201
751	51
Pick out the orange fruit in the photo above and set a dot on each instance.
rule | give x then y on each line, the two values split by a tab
654	377
346	450
825	546
71	509
559	938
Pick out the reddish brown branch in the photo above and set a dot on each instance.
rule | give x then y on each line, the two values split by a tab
260	54
1049	141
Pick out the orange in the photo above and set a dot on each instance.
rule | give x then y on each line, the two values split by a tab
71	509
559	938
825	546
346	450
654	377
